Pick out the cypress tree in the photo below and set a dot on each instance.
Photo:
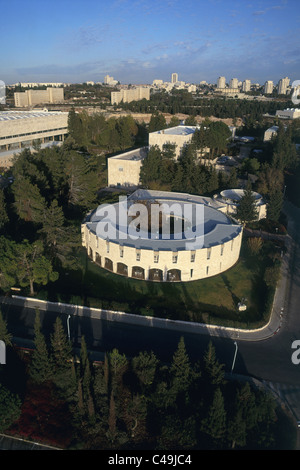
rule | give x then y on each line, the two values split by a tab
63	361
40	367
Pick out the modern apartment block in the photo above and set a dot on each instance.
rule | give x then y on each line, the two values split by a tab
133	94
174	78
268	88
246	85
234	83
283	85
110	80
35	97
221	83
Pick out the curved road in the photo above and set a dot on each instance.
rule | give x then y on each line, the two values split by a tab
265	354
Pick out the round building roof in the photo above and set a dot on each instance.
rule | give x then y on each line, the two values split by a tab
203	225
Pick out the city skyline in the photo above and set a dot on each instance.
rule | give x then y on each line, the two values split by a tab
140	41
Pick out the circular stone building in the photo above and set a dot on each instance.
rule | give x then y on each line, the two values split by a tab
201	240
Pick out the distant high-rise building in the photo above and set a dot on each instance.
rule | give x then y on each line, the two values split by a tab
234	83
110	80
282	85
35	97
174	77
268	88
246	85
134	94
221	82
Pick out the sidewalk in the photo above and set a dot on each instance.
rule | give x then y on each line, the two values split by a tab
265	332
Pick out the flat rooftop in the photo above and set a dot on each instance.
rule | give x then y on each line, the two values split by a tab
14	115
177	130
136	154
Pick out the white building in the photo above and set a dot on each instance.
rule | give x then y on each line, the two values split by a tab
221	83
19	129
234	83
174	78
283	85
110	81
178	136
289	113
177	254
246	85
230	199
124	169
268	88
270	133
133	94
35	97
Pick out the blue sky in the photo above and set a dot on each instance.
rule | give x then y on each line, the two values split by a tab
137	41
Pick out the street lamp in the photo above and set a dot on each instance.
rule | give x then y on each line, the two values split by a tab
68	326
234	357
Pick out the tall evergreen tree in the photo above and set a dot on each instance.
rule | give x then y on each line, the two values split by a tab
274	206
40	369
144	366
181	372
246	210
3	212
214	370
63	364
33	266
4	334
10	408
214	424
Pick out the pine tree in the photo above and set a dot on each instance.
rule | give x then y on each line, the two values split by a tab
144	366
3	213
246	209
236	433
180	371
214	370
215	422
30	205
275	205
40	367
118	364
10	408
4	334
33	266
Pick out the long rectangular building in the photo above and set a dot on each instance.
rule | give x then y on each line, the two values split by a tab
19	129
133	94
34	97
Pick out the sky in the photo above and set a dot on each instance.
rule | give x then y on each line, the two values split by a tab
137	41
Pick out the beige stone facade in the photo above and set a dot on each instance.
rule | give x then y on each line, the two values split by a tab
35	97
179	136
124	169
167	260
19	129
132	94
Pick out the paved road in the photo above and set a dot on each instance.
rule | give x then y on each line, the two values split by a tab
266	355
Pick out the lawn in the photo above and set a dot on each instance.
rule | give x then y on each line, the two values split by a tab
211	300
